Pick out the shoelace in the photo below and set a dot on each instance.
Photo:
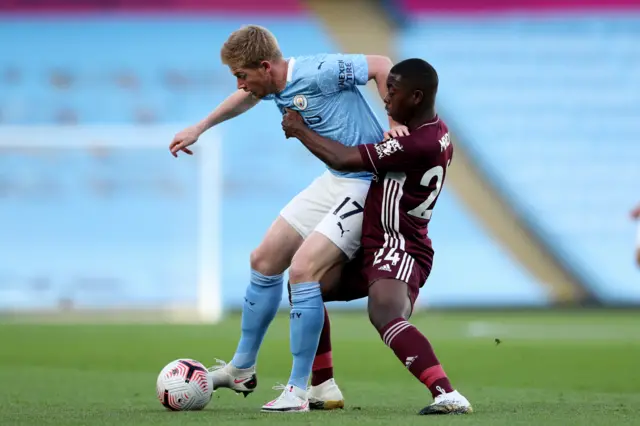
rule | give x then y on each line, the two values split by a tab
445	399
219	364
279	387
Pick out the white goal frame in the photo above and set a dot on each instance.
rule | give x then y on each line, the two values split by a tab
209	307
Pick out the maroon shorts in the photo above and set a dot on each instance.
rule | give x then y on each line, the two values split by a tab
369	266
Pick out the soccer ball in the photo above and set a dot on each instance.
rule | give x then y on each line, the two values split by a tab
183	385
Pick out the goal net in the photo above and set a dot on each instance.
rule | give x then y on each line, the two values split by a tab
101	222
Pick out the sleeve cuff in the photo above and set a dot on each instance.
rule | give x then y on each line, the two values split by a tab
367	159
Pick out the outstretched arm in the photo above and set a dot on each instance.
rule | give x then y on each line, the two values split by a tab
332	153
234	105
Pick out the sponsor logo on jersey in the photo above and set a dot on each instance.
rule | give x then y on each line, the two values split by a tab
445	141
345	73
386	148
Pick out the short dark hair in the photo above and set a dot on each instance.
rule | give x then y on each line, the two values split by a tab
419	74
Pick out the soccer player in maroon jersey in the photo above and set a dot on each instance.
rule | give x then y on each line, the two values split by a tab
396	252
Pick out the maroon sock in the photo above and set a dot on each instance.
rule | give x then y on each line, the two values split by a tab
415	351
323	363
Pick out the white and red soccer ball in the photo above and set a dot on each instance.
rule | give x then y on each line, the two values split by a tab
183	385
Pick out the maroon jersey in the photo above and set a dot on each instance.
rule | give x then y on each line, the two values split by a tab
408	175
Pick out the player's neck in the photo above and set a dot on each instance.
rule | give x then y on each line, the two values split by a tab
281	70
423	118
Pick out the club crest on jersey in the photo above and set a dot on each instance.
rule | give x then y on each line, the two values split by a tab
386	148
300	101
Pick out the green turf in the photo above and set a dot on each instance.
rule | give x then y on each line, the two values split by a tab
549	369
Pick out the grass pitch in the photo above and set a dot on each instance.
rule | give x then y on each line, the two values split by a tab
575	368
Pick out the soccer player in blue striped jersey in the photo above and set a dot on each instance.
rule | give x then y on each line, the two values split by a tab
320	228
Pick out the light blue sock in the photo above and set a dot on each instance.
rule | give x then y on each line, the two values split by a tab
306	321
261	303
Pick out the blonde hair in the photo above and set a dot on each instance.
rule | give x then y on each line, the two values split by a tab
248	46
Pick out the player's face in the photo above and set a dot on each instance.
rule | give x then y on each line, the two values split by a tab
257	81
401	100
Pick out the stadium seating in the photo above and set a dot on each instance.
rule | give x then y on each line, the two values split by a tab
156	69
549	105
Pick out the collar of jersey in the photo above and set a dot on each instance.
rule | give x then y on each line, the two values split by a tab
290	65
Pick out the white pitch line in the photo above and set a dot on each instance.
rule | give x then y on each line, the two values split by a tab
483	329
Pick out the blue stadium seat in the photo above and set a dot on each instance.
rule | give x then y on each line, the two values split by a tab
550	107
261	169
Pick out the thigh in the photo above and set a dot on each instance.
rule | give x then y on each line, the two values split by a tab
343	282
389	299
394	264
342	225
307	209
316	256
346	282
275	252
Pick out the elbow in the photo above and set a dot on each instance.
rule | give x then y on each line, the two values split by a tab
339	164
385	66
379	67
345	164
382	61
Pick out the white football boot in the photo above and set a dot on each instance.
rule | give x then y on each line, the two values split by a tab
291	400
325	396
241	380
448	403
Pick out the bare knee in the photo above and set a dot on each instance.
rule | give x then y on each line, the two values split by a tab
303	269
263	261
317	256
388	300
383	312
273	255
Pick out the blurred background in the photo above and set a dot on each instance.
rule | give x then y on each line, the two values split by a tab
96	217
536	248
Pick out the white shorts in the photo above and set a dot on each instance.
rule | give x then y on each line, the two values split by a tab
332	206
